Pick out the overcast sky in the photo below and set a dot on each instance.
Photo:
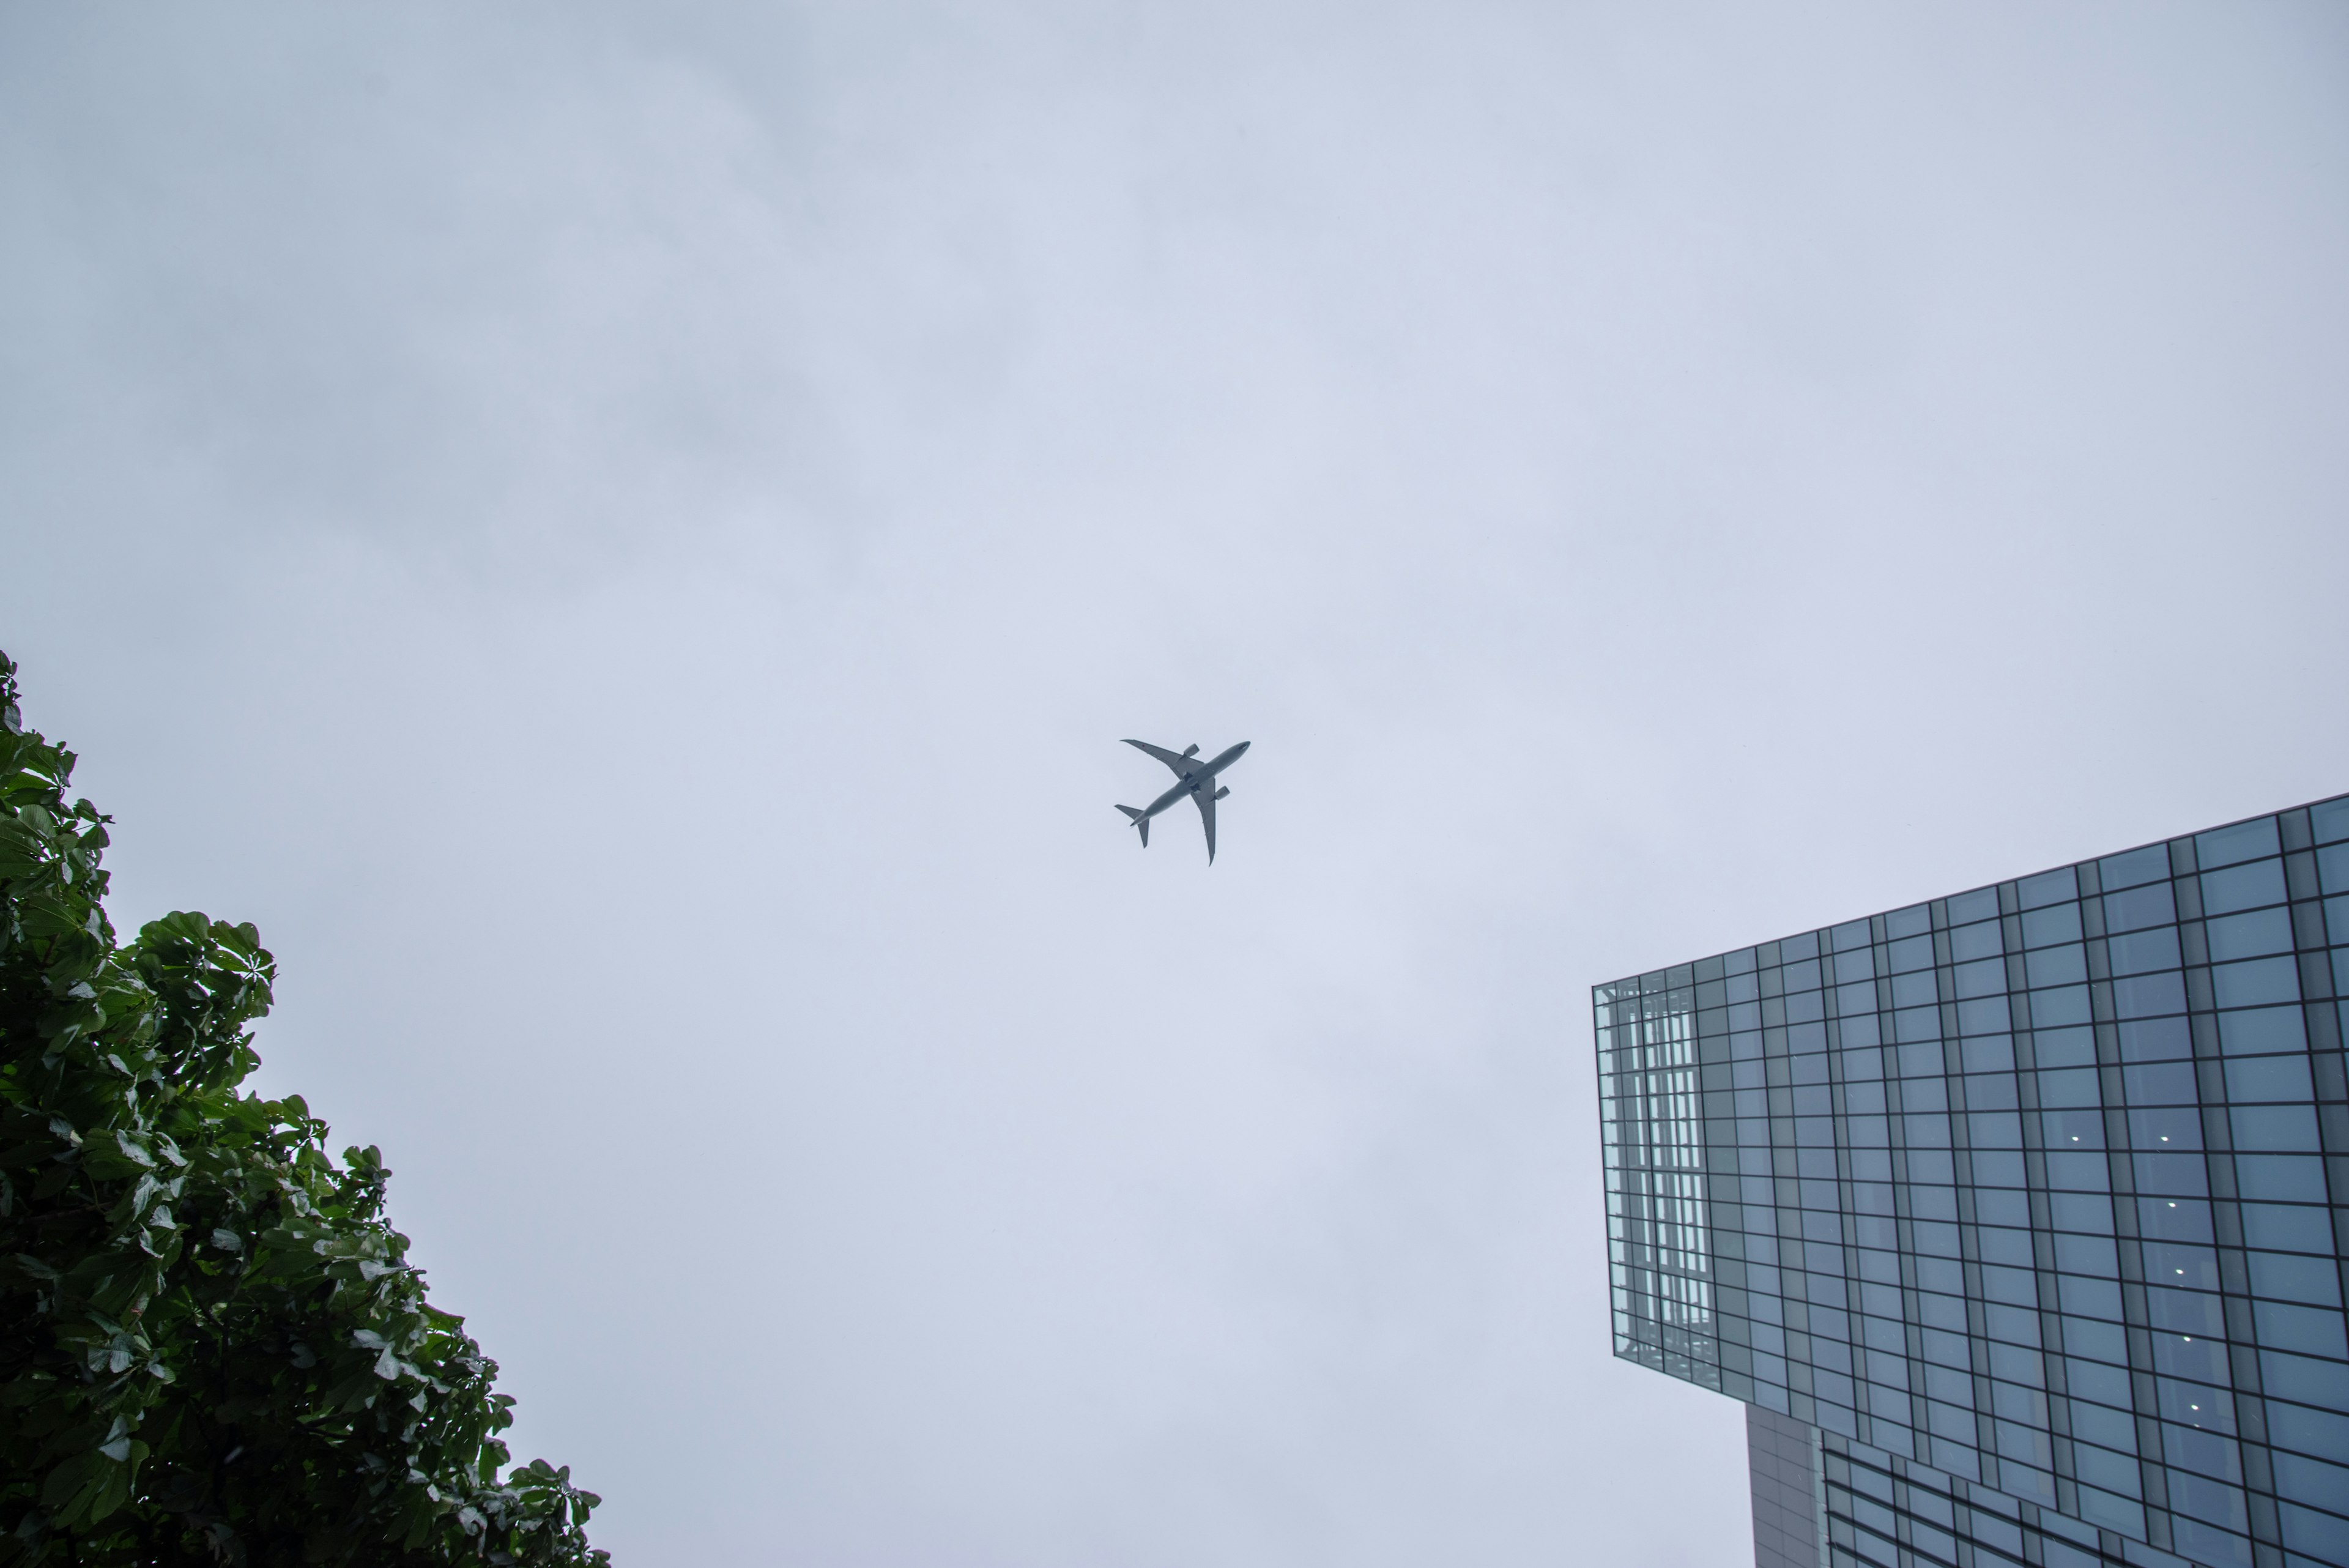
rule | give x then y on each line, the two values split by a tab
625	541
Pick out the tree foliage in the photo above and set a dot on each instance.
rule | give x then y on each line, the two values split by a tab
212	1347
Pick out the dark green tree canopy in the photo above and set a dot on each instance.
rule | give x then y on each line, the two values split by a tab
212	1347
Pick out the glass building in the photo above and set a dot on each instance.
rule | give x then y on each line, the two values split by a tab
2017	1217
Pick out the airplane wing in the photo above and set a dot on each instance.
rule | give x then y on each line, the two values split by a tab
1206	799
1174	760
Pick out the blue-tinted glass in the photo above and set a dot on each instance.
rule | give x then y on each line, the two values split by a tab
2150	995
2139	952
2330	819
1982	977
1981	904
2244	841
2302	1330
2290	1276
2287	1228
1983	941
2065	965
2250	935
1944	1274
2195	1404
2047	887
2204	1453
2012	1325
2072	1129
1993	1129
1990	1054
2165	1128
2333	868
2098	1338
2181	1264
2302	1482
2280	1177
2194	1314
1805	945
2095	1380
1999	1206
2063	1005
2276	1128
2181	1175
2261	1032
2324	1433
2066	1047
2242	886
2155	1040
1921	1072
1909	922
2139	908
2086	1254
2083	1211
2006	1246
2159	1084
2097	1424
2323	1382
1985	1015
2147	865
2206	1544
1917	1023
2257	1078
2256	983
2073	1086
2174	1219
2056	923
2199	1357
1912	953
1929	1130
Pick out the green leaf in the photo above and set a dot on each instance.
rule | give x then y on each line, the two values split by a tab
121	1075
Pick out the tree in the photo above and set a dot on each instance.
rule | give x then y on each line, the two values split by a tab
212	1347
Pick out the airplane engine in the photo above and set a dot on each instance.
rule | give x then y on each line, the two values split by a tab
1223	792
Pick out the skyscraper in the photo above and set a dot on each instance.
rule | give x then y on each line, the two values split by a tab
2016	1218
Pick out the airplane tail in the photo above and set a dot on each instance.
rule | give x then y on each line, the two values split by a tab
1140	819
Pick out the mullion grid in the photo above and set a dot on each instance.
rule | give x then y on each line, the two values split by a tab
1946	1522
1663	1305
2319	913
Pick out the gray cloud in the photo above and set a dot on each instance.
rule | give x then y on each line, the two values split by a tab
624	542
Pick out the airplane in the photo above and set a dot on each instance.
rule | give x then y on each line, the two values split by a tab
1194	776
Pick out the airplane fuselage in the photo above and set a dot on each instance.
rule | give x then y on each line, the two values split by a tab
1194	778
1201	776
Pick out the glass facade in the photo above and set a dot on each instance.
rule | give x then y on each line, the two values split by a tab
1785	1473
2031	1201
